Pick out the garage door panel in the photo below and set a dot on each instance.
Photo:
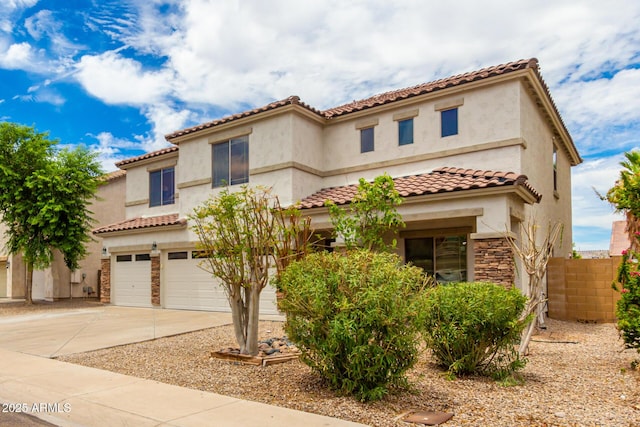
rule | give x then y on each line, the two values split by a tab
189	287
132	281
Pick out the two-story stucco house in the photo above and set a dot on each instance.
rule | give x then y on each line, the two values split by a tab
473	155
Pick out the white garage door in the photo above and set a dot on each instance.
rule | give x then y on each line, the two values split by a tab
188	287
131	281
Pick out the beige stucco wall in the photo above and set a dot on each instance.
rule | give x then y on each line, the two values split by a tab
537	164
107	209
487	114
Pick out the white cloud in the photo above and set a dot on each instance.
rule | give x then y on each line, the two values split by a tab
45	25
119	80
602	103
164	121
111	149
17	56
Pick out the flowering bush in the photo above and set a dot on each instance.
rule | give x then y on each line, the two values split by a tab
628	308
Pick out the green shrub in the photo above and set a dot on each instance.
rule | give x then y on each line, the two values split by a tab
354	317
472	328
628	306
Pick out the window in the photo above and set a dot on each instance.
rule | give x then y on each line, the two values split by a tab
366	140
161	187
555	169
123	258
231	162
178	255
449	122
445	258
143	257
405	132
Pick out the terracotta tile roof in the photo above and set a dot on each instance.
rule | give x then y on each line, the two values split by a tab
114	175
396	95
292	100
442	180
142	222
619	238
147	156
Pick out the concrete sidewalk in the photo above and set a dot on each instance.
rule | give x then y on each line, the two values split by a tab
65	394
72	395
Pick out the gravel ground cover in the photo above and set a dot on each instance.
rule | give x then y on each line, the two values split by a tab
577	375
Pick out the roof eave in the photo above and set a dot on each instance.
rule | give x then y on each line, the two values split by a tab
149	160
306	112
140	230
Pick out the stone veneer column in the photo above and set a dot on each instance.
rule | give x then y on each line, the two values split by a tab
155	279
105	280
494	262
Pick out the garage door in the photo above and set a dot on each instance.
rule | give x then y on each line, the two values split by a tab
188	287
131	284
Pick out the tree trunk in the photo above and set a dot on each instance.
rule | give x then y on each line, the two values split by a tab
28	284
254	319
523	350
239	317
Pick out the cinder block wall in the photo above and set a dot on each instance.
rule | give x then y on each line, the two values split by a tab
580	289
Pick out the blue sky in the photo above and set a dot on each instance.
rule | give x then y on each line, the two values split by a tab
117	75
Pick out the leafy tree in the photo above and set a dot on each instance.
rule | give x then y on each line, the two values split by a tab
628	306
45	197
370	215
625	195
245	234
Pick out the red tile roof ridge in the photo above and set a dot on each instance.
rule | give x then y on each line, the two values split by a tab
432	86
291	100
440	180
484	173
142	222
150	155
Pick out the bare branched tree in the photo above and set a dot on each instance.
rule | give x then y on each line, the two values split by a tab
535	257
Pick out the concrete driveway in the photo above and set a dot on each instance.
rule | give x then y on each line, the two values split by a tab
76	395
61	332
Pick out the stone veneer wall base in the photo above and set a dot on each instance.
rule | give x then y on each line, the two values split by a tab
493	259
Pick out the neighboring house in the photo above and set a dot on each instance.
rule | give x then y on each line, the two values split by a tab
619	238
473	155
594	254
57	281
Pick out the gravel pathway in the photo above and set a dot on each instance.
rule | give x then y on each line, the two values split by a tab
577	375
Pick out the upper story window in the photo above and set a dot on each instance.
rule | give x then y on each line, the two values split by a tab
366	140
231	162
555	168
449	122
405	132
162	187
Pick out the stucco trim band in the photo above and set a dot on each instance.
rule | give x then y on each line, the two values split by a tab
194	183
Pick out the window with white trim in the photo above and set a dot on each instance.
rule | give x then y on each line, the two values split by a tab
162	187
231	162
